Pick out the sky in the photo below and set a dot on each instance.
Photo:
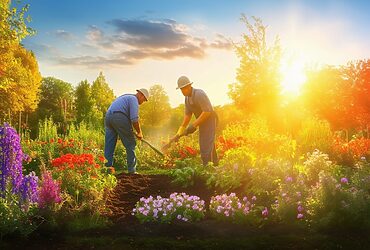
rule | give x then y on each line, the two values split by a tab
141	43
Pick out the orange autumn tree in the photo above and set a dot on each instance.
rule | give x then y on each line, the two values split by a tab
340	95
357	76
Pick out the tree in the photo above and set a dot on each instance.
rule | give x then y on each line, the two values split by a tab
19	75
56	100
357	76
84	102
328	96
257	87
13	29
102	93
157	110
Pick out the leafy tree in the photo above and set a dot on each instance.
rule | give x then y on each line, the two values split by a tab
257	87
102	93
56	100
323	94
357	76
19	75
157	110
86	110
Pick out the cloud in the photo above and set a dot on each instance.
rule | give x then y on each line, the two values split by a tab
133	40
64	35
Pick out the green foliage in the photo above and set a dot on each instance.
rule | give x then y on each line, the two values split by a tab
339	204
290	200
187	171
315	134
14	218
156	112
102	94
315	163
56	100
86	109
47	130
233	169
87	134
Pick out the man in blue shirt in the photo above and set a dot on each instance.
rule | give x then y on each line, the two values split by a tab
197	103
122	115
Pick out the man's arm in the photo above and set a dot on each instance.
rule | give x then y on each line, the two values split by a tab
182	128
137	127
202	118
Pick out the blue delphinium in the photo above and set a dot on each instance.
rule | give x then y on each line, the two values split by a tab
28	190
11	175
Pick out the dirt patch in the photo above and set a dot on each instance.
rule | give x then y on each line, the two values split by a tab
130	188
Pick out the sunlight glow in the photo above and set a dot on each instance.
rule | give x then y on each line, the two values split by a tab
293	76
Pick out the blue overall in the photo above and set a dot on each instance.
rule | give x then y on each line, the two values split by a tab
118	122
195	104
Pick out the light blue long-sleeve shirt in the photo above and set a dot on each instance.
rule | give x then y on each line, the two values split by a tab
127	104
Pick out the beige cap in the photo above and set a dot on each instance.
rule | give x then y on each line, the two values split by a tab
145	92
182	82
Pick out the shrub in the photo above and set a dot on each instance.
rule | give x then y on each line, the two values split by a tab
314	134
165	210
231	208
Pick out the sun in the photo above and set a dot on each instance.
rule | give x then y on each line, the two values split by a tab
293	76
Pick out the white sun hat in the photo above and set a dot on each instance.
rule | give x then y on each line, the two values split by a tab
145	92
183	81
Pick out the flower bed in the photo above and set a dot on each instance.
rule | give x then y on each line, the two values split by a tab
164	210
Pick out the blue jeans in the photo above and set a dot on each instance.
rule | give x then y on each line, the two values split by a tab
117	124
207	131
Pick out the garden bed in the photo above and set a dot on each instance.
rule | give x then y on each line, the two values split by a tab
127	233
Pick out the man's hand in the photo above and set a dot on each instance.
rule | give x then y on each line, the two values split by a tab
190	129
181	131
139	135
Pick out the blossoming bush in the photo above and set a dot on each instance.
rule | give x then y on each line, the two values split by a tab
187	171
315	163
289	206
165	210
257	137
84	179
231	208
50	194
348	153
339	203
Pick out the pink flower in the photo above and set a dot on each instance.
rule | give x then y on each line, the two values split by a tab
344	180
265	212
300	216
300	209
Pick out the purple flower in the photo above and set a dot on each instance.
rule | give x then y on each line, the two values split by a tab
289	179
300	209
11	157
265	212
344	180
300	216
49	191
29	188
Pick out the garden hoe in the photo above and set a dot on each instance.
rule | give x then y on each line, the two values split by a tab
175	139
152	147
